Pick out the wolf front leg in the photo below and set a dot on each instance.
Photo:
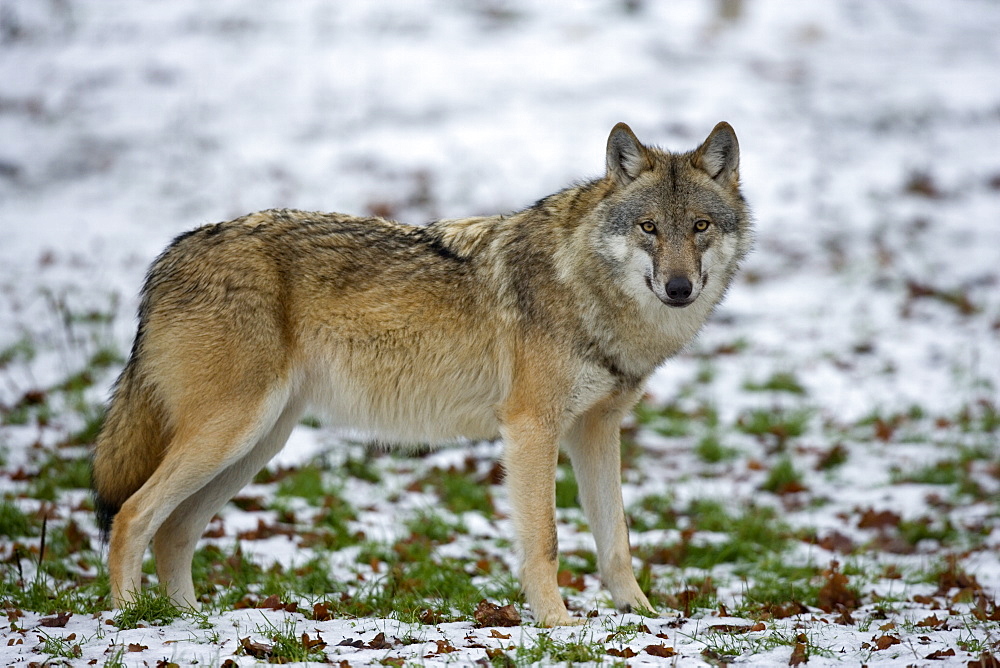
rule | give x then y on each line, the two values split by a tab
594	445
531	451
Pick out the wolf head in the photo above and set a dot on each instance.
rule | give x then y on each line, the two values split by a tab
674	225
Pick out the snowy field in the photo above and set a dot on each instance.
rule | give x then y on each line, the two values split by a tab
815	479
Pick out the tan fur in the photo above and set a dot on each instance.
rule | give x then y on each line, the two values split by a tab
539	327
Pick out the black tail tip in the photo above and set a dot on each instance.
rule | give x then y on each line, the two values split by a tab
105	512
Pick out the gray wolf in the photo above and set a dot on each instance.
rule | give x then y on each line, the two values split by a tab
538	327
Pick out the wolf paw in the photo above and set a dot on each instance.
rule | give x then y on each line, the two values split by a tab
563	620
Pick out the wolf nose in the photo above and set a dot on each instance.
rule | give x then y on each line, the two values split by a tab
678	288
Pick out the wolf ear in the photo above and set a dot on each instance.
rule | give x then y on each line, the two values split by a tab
719	156
626	156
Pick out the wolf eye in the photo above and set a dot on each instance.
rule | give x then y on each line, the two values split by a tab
648	226
701	225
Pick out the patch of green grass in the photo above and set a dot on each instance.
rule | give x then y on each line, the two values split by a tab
116	659
33	404
59	585
14	522
567	490
750	536
775	583
310	421
951	472
725	646
288	646
777	423
23	351
362	468
460	492
579	562
968	454
56	646
46	596
434	528
947	472
783	477
655	511
669	420
429	588
914	531
58	473
223	579
782	381
546	650
332	523
832	458
305	483
149	606
308	582
756	525
706	372
687	595
984	416
710	449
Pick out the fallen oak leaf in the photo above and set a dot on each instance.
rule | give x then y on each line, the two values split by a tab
886	641
321	612
57	621
272	602
844	618
873	519
351	642
835	594
941	654
258	650
136	647
491	614
443	647
379	642
624	653
799	655
568	579
932	622
660	650
316	643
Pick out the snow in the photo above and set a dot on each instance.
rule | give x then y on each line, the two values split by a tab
124	124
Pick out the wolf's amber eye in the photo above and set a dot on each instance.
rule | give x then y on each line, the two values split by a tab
648	226
701	225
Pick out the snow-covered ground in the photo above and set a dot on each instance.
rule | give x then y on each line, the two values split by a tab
868	133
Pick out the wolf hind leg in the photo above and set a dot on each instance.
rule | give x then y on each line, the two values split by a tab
175	541
202	447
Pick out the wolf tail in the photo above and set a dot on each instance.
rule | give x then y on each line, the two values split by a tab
129	447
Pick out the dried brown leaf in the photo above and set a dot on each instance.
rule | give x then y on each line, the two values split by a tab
660	650
57	621
491	614
799	655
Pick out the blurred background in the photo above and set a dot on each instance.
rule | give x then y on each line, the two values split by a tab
868	134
